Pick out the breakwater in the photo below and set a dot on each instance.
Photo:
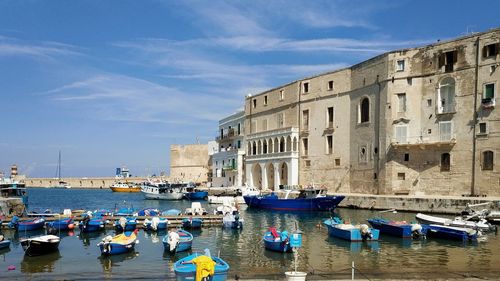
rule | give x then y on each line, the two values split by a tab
96	183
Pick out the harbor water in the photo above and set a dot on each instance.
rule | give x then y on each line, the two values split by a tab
322	257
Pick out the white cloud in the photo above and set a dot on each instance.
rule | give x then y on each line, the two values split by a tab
43	49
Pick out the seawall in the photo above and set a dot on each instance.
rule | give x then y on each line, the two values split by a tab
97	183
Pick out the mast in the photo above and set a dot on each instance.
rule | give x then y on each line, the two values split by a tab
59	167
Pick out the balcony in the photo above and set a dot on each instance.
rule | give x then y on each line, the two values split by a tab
488	103
227	136
421	142
289	131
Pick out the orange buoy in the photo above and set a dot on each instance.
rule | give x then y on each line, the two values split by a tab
71	226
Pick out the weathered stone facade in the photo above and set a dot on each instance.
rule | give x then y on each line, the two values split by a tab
189	163
415	121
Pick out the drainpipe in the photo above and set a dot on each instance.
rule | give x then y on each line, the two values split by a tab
474	118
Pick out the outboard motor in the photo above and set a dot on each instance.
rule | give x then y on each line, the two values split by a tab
14	222
416	230
366	233
123	222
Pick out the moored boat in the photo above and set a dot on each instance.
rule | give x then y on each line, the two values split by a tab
92	224
308	199
192	223
231	220
156	223
125	187
353	233
186	268
119	244
125	224
177	241
193	193
4	243
195	210
277	241
61	224
40	245
397	228
482	224
452	232
164	191
27	225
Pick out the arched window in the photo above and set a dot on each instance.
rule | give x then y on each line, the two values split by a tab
282	144
254	148
488	160
364	110
446	96
264	147
445	162
249	149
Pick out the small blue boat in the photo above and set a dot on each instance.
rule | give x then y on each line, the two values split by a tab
148	212
185	268
397	228
192	223
125	224
277	241
102	213
171	212
126	211
196	195
353	233
232	221
27	225
451	232
156	223
62	224
4	243
309	199
119	244
92	225
177	241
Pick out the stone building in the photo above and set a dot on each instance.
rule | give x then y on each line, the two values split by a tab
189	163
228	160
414	121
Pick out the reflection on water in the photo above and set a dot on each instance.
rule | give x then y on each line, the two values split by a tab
108	262
354	247
89	237
36	264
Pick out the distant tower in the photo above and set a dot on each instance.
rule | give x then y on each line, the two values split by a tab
13	171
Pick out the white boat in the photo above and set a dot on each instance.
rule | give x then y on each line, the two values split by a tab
164	191
195	210
240	191
60	183
456	222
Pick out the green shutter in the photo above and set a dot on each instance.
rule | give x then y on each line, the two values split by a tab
489	91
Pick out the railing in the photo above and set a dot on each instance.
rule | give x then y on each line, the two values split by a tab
424	140
273	133
291	154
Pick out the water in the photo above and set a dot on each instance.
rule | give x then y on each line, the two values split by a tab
321	256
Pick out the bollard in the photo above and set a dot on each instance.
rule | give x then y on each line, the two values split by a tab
352	271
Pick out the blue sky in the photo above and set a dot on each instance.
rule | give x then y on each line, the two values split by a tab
113	83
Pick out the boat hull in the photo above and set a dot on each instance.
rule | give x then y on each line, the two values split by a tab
163	196
327	203
194	223
197	195
126	189
93	225
385	227
451	233
60	224
353	235
119	244
35	247
4	244
30	225
276	244
187	271
162	225
185	242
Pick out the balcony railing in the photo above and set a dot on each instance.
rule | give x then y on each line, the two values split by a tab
230	134
276	155
273	133
448	139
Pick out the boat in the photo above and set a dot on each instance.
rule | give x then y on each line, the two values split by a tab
233	195
125	187
482	224
397	228
231	220
192	223
162	190
493	217
61	224
26	225
13	197
205	265
350	232
125	224
148	212
277	241
452	232
4	243
193	193
195	210
171	212
155	224
177	241
61	183
40	245
119	244
89	224
308	199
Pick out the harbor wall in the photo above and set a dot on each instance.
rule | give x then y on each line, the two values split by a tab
97	183
430	204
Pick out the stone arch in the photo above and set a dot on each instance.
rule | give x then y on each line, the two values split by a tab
270	144
259	147
254	148
249	147
295	144
364	110
282	144
270	176
289	144
264	147
257	176
283	173
276	145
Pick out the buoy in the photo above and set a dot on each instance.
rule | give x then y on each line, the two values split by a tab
71	226
11	267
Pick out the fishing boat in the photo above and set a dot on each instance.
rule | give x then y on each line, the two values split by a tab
4	243
277	241
186	268
60	183
61	224
155	224
192	223
118	244
350	232
397	228
27	225
193	193
125	224
482	224
40	245
177	241
161	190
92	224
452	233
308	199
125	187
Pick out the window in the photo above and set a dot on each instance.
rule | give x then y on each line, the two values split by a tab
254	103
307	163
448	59
305	146
239	129
282	95
337	161
364	110
329	144
487	160
305	120
402	102
401	134
482	128
488	100
400	65
330	85
363	155
445	131
239	144
429	102
407	157
329	117
401	176
265	100
264	125
445	162
280	120
490	50
446	96
305	87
